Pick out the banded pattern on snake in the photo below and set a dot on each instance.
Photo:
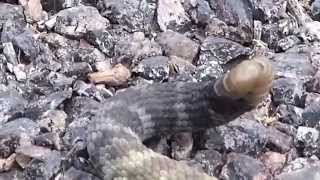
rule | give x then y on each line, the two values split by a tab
120	126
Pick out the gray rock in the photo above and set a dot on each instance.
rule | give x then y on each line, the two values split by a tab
12	175
80	110
272	33
48	102
242	136
77	69
200	12
290	114
49	140
307	140
10	53
171	15
311	115
181	145
11	12
8	144
288	91
132	15
235	20
313	85
89	54
278	141
273	161
59	81
53	121
269	11
176	44
221	51
83	20
210	160
240	166
73	173
134	48
105	40
27	44
45	163
288	42
301	168
90	90
20	126
208	71
315	10
153	68
312	98
12	105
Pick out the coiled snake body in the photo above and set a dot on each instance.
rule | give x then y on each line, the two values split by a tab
116	133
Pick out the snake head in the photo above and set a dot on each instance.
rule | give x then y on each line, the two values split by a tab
250	80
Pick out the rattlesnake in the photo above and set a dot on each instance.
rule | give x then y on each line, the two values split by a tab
116	133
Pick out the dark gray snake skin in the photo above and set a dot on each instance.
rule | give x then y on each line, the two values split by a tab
115	135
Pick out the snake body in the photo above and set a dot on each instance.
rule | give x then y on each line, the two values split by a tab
116	134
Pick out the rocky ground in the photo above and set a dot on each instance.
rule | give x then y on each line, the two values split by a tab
61	58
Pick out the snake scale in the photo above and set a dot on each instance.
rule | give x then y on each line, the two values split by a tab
116	133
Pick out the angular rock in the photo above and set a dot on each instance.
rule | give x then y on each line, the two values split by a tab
210	160
312	98
301	168
269	11
311	115
234	20
73	173
83	20
221	51
12	105
44	103
13	175
45	163
278	141
11	12
313	85
273	161
176	44
272	33
132	15
315	10
288	91
293	65
181	146
241	136
60	81
18	127
290	114
105	40
199	11
77	69
288	42
53	121
10	54
307	140
27	44
89	54
90	90
8	144
240	166
132	49
171	15
49	140
154	68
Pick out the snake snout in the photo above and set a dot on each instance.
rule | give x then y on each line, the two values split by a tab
250	80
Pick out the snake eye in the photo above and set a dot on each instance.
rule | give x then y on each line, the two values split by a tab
251	79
